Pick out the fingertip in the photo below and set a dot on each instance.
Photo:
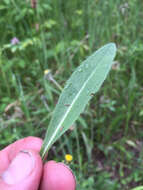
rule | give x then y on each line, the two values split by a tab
57	176
27	143
31	142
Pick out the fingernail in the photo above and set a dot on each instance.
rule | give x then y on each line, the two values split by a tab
20	168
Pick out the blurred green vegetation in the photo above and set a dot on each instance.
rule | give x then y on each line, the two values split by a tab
107	140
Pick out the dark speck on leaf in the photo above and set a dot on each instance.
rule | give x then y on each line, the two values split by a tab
67	105
61	128
92	94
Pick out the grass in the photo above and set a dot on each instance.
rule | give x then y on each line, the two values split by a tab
106	142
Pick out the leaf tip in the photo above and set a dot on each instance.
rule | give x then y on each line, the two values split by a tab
112	47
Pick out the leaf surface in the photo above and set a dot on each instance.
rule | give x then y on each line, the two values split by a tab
79	89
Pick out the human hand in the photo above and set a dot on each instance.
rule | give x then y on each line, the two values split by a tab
21	168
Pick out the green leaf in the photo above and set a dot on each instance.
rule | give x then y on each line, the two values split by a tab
82	85
138	188
2	7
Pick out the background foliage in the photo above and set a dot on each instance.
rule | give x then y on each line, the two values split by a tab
107	140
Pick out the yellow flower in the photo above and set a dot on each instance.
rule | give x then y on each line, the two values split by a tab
68	157
46	71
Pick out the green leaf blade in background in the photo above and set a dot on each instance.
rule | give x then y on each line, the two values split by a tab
138	188
86	80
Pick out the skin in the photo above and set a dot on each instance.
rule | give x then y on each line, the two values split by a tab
21	168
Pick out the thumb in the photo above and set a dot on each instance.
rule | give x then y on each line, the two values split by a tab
23	173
